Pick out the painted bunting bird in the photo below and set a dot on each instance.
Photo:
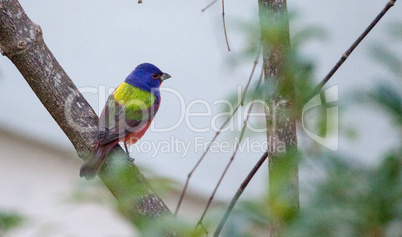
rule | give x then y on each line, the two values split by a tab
127	114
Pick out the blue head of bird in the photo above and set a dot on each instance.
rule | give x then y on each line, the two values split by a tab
147	77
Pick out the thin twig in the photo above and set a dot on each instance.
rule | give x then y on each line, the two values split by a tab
216	134
239	193
350	50
212	3
223	19
224	24
233	155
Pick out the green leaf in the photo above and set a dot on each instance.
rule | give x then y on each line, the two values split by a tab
10	220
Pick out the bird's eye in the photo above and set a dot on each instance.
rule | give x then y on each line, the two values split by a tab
154	75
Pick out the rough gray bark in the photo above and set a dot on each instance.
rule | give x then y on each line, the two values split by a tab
22	42
281	116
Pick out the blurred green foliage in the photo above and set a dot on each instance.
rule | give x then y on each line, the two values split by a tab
180	227
352	199
9	221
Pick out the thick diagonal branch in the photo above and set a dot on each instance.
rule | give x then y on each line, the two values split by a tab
22	42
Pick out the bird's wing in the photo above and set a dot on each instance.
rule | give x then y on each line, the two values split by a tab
126	111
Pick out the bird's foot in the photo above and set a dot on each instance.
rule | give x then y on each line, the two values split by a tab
128	154
129	159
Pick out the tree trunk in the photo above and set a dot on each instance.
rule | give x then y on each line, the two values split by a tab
280	113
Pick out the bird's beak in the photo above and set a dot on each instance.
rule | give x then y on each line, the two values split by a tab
165	76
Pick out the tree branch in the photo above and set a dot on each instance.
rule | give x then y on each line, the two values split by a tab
239	193
22	42
280	118
233	155
350	50
223	19
217	134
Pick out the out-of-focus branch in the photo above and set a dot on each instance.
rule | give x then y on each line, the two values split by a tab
350	50
22	42
245	122
239	193
281	119
210	4
217	134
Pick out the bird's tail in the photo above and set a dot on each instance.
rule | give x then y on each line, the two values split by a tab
96	160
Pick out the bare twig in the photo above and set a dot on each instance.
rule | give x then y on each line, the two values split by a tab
217	134
223	19
239	193
350	50
212	3
233	155
224	24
